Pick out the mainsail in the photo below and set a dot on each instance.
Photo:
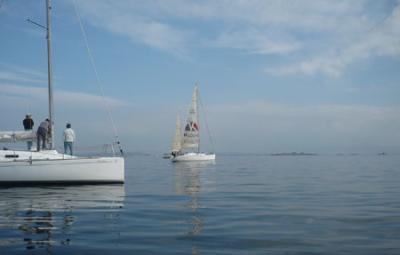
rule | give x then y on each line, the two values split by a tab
16	136
177	142
191	134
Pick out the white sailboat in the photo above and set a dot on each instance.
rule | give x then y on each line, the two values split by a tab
188	147
19	167
176	145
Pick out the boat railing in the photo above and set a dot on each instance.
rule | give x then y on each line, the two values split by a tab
22	156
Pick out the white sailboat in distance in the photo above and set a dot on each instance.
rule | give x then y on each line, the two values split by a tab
187	148
176	145
19	167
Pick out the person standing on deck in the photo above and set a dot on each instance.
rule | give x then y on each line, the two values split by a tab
69	138
28	126
42	133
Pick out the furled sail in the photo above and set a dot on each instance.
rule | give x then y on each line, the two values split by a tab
16	136
191	133
177	142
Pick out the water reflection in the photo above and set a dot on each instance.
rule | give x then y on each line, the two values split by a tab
43	217
189	182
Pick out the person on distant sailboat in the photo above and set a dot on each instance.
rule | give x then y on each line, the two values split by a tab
28	126
42	133
69	138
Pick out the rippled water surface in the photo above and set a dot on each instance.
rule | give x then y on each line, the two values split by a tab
239	205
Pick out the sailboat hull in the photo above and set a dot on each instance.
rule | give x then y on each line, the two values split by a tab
72	170
194	157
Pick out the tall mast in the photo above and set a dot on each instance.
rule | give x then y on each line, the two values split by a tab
50	73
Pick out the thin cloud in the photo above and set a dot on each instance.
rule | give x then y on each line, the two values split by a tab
23	70
323	36
15	77
256	42
12	73
122	19
71	98
331	66
382	40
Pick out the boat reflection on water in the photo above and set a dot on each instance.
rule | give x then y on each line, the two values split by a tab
191	180
43	217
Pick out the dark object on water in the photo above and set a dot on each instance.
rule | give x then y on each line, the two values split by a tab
294	154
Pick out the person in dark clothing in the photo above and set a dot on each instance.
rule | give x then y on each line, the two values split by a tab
28	122
42	133
28	126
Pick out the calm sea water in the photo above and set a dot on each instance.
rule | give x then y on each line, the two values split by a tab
240	205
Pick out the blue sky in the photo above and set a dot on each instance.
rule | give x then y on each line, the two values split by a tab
273	75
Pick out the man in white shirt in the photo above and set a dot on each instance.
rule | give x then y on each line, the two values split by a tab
69	138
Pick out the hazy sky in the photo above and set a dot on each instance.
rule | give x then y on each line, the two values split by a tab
273	75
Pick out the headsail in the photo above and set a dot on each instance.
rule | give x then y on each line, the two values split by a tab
191	135
16	136
177	142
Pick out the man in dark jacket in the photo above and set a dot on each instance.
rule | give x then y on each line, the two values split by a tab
28	126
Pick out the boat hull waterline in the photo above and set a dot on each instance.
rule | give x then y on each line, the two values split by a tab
194	157
67	170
